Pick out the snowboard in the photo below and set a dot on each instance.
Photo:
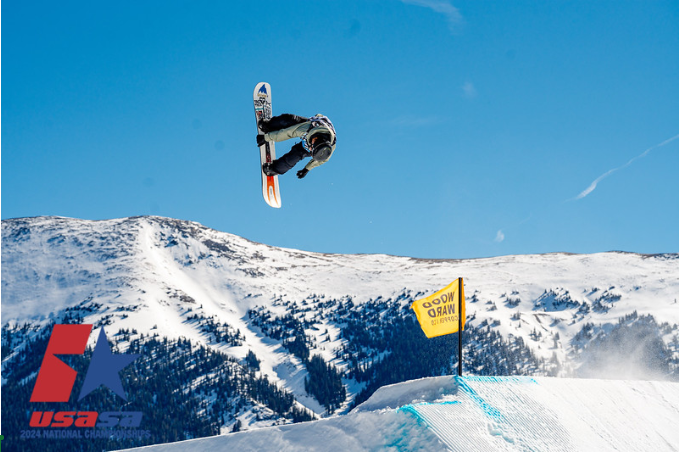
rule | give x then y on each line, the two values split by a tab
262	104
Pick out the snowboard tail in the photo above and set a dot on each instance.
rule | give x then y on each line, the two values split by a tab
262	103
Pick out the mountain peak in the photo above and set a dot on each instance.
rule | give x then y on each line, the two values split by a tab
276	308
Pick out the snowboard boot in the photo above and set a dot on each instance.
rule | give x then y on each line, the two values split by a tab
267	169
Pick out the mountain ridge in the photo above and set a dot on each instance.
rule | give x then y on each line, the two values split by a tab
272	310
162	218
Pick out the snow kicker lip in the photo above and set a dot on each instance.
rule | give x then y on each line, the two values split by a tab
517	423
463	384
489	410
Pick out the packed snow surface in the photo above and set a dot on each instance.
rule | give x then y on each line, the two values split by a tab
480	414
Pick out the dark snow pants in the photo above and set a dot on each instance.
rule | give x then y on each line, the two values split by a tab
290	159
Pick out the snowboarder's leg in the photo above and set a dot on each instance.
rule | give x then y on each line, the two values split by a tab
280	122
290	159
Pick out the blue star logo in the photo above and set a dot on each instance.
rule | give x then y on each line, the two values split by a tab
104	368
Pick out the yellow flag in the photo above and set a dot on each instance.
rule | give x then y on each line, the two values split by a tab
438	314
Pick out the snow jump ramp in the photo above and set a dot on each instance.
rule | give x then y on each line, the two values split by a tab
480	414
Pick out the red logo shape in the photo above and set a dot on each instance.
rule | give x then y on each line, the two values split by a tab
55	378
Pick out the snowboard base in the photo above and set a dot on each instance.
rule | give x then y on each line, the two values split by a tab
262	104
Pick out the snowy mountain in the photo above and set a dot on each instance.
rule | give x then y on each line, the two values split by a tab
259	335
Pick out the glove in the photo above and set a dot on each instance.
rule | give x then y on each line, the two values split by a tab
301	174
260	139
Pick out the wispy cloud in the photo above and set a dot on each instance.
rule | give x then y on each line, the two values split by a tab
444	7
595	182
500	237
469	90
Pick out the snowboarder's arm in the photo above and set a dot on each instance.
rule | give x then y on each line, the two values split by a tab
313	164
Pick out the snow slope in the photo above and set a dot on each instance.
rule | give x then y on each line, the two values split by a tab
482	414
153	273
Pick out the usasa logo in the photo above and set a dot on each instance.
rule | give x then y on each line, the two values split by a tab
56	380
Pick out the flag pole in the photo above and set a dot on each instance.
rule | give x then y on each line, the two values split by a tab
461	326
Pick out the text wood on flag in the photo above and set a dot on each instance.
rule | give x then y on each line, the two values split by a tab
439	314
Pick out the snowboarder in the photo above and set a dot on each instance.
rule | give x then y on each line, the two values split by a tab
318	141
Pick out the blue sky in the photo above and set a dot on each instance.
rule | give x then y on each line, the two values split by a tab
465	128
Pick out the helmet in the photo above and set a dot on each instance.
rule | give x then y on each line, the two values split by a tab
322	148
